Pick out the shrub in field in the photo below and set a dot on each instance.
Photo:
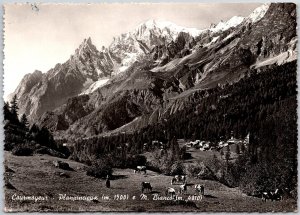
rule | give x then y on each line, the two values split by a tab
62	165
177	169
170	168
22	151
99	169
193	170
48	151
136	160
9	146
186	156
8	185
214	169
63	150
200	170
165	162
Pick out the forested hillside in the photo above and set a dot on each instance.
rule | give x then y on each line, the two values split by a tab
262	104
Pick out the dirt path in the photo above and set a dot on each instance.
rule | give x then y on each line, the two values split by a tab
36	175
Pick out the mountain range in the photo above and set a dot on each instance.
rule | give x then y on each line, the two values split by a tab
146	75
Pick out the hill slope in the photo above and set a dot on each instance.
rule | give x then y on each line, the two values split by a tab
36	175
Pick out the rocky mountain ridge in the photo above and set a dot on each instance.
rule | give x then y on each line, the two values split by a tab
161	74
87	69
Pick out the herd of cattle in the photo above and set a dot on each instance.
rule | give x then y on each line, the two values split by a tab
170	191
273	196
181	180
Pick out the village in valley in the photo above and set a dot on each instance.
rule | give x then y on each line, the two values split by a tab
207	145
227	149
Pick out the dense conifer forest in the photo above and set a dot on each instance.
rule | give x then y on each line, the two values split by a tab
262	104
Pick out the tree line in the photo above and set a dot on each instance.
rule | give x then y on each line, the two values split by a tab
20	137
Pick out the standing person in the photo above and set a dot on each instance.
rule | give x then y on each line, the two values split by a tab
107	183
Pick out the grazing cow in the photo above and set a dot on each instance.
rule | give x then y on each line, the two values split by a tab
183	188
273	196
140	169
146	186
170	191
267	195
178	179
199	189
278	194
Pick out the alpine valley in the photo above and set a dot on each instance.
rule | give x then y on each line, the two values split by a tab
214	107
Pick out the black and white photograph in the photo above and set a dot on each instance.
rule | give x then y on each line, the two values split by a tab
150	107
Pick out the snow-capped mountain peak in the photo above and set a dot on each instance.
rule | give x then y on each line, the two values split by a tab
85	46
134	44
168	26
255	16
224	25
259	13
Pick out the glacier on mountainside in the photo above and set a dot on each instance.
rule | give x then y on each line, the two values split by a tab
96	85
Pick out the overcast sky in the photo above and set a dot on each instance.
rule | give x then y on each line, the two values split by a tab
39	40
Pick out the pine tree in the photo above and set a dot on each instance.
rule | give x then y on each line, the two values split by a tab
221	153
34	128
237	149
175	148
44	137
243	148
14	105
215	161
24	121
6	111
227	155
14	109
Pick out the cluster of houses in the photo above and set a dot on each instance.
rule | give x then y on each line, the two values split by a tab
207	145
201	145
154	144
